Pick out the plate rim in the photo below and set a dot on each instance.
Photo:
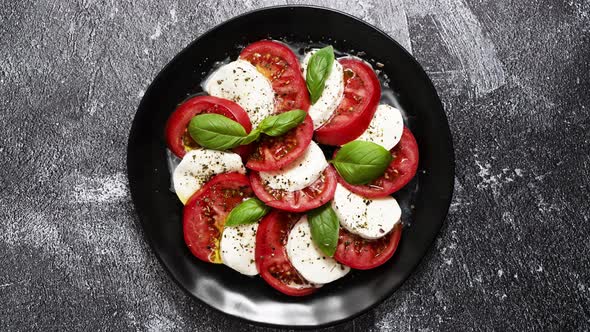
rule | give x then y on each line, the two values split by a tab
450	154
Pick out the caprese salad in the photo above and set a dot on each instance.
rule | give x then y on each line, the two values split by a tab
287	168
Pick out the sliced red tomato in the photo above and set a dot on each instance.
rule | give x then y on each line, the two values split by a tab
177	137
273	153
205	212
362	92
271	254
363	254
280	65
399	172
317	194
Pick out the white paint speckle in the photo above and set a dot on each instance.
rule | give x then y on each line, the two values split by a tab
492	180
463	36
487	179
140	93
500	273
100	189
539	268
114	11
33	229
159	323
392	320
518	172
173	16
146	51
541	177
157	32
93	107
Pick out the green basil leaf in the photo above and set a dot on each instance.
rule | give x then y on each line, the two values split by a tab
252	136
360	162
324	226
215	131
247	212
318	70
277	125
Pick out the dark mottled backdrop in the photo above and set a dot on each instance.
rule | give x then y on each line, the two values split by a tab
514	79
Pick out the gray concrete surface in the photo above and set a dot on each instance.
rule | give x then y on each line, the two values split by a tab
514	78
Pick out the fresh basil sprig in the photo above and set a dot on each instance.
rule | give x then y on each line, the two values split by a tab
215	131
247	212
318	70
360	162
252	136
324	226
277	125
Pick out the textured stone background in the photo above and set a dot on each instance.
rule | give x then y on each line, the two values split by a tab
514	78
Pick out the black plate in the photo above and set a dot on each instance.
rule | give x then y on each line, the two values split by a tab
251	298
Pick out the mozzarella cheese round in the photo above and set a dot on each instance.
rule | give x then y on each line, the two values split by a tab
198	166
368	218
241	82
299	174
321	111
237	248
308	259
386	127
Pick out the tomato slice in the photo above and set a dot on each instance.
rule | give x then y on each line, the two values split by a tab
273	153
401	170
363	254
311	197
280	65
362	92
271	254
177	137
205	212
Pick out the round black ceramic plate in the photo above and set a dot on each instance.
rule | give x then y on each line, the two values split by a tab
160	211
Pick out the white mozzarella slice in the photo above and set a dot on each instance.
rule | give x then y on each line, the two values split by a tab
386	127
321	111
308	259
368	218
237	248
241	82
299	174
198	166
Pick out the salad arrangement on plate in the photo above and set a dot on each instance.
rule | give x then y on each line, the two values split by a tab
264	193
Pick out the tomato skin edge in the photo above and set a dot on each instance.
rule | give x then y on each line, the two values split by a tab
304	132
327	194
189	209
355	127
284	51
340	256
179	120
264	246
410	147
